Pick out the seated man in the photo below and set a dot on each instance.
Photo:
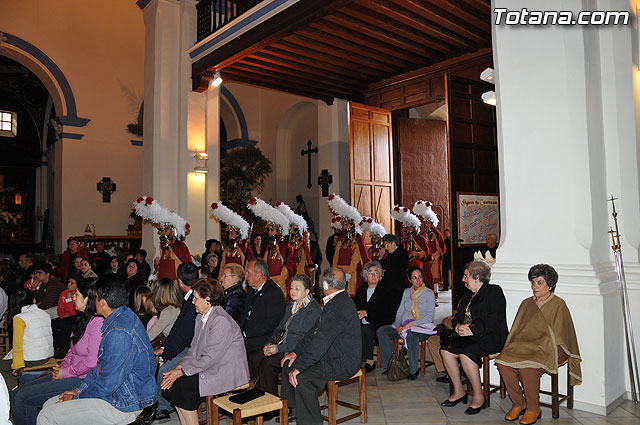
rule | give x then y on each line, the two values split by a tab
49	287
331	350
179	340
122	383
263	307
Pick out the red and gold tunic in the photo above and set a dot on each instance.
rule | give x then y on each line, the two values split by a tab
302	254
422	259
351	256
438	249
282	265
233	254
173	255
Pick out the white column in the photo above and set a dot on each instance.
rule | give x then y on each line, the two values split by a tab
333	155
567	139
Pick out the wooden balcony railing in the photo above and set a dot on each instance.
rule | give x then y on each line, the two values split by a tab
215	14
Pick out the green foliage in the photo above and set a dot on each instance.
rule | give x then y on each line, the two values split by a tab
245	171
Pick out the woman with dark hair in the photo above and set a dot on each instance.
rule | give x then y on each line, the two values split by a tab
481	315
114	266
66	375
212	246
417	308
63	325
216	361
67	260
32	337
299	317
211	265
134	278
541	340
257	246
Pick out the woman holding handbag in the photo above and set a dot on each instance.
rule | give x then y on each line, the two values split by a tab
481	322
416	310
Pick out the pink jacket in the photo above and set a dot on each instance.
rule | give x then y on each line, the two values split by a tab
83	355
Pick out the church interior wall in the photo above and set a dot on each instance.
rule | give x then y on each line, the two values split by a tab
105	70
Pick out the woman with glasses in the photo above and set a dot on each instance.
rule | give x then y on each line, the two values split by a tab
231	280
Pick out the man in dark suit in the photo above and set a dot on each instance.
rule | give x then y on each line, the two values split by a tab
331	350
263	307
394	281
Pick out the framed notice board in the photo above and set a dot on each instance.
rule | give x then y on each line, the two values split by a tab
478	216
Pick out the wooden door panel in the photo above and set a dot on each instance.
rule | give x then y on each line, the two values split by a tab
361	149
382	153
462	130
362	199
383	200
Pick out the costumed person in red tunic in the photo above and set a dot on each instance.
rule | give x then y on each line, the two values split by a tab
434	238
279	253
301	251
172	230
238	234
377	231
350	253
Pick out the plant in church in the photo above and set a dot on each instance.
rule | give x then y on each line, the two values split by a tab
244	173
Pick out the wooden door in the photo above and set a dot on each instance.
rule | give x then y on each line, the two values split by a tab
473	158
371	162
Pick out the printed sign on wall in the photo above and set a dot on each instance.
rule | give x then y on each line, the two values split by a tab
478	216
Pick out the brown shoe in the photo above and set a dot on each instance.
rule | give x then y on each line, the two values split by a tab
514	413
530	417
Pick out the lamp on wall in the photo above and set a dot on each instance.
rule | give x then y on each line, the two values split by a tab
489	97
90	228
217	80
487	75
201	162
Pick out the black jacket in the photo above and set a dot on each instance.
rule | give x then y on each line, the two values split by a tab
394	281
489	315
378	313
182	331
266	313
334	342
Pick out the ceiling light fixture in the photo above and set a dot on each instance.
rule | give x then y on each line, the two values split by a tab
489	97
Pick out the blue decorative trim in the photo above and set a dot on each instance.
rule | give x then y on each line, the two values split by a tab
73	121
74	136
69	99
244	132
143	3
136	143
236	27
239	143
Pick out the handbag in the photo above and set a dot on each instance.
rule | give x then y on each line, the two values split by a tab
158	341
398	366
449	339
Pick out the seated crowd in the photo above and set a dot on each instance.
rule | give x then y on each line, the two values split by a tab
134	349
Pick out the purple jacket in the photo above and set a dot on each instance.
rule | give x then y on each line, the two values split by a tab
217	354
83	355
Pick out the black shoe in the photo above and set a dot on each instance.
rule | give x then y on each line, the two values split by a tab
161	415
148	414
444	378
290	418
369	367
385	371
451	403
475	410
413	376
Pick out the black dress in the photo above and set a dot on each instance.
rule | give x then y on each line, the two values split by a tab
489	326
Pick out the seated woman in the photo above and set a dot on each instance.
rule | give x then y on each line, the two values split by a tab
167	301
63	325
231	280
417	309
134	278
371	303
299	317
210	266
143	306
32	336
542	339
216	361
481	314
81	358
85	269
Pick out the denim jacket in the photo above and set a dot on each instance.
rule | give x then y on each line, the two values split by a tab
124	375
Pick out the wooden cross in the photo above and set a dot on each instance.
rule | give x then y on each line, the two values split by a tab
106	186
324	180
309	151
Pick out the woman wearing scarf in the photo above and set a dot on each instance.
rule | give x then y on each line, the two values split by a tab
542	338
301	315
416	310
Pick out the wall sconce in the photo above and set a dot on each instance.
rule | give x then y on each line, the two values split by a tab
217	80
489	97
201	162
90	228
487	75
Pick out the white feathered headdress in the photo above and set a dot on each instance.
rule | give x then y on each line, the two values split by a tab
269	213
294	219
423	209
405	216
230	218
336	223
371	226
150	209
340	207
487	259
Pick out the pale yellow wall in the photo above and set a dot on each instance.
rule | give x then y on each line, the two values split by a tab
99	46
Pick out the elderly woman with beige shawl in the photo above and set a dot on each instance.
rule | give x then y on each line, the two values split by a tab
542	338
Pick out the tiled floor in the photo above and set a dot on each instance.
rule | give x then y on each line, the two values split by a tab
418	402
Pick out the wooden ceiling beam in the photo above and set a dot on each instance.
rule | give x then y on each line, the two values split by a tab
419	8
359	38
383	36
336	50
332	41
461	11
425	26
372	17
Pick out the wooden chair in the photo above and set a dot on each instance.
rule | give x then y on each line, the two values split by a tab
207	417
424	363
333	402
556	397
253	409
